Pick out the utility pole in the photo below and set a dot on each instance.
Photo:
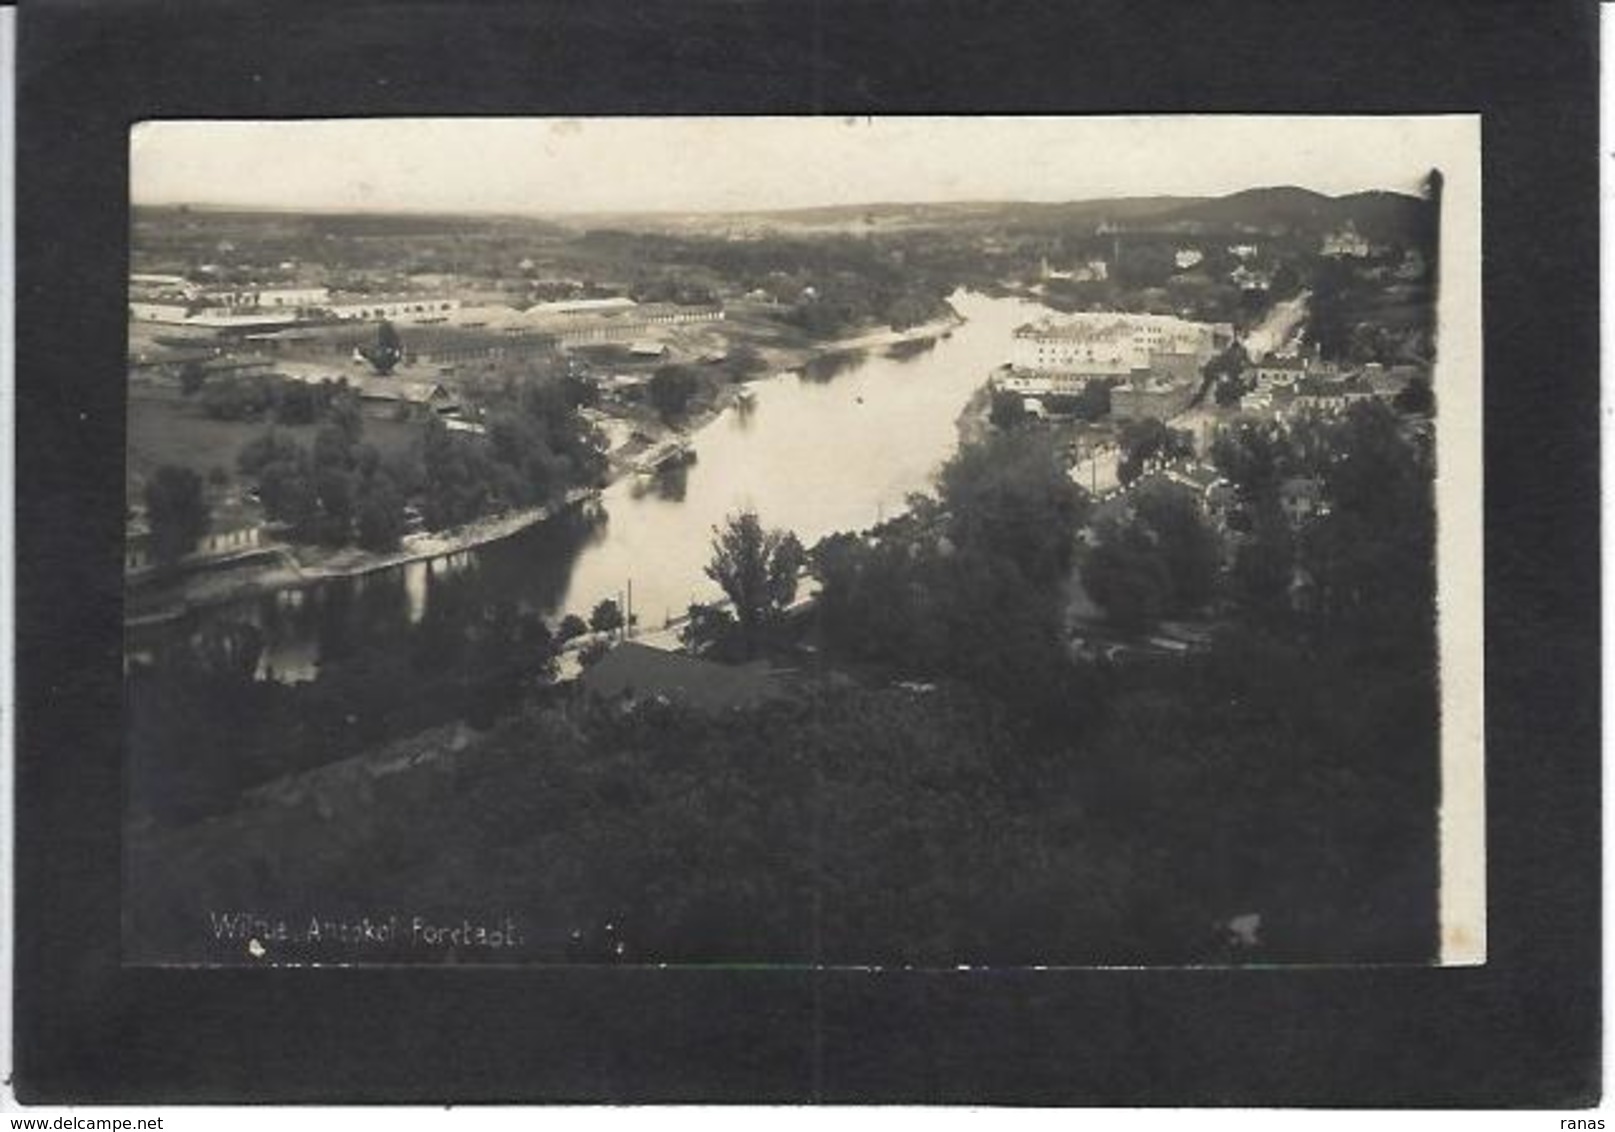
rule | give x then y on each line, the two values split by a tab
628	617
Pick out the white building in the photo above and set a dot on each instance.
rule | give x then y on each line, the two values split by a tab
265	297
169	313
1098	344
1346	243
395	308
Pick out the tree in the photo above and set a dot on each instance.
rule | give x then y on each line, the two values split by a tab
744	361
1186	545
671	388
707	627
1254	458
1010	495
1228	392
296	403
334	488
346	414
571	626
192	376
385	355
1128	577
1415	398
1147	441
1007	409
1093	402
381	513
1329	323
606	618
176	511
757	568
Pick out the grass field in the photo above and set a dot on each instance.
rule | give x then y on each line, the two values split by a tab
166	428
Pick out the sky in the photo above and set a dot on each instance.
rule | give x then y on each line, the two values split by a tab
539	165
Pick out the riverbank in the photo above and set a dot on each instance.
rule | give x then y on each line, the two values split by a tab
873	340
283	567
290	567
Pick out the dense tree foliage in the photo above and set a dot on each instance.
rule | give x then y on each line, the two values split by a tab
386	352
671	389
958	787
1161	561
177	512
192	376
708	630
1148	443
971	585
1006	410
1415	397
537	447
606	617
757	569
284	400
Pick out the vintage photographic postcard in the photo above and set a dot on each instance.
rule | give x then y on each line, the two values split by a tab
887	542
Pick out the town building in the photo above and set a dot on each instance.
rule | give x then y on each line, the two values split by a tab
153	285
394	308
618	323
233	298
1249	279
1112	344
1329	396
1157	358
166	312
1346	243
228	536
1278	369
1092	271
388	397
1157	397
453	346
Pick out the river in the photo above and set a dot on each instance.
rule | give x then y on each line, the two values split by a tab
837	448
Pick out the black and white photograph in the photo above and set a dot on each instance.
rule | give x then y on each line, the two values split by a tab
923	543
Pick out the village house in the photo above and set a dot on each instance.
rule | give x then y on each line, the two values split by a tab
1275	369
228	535
1330	396
391	398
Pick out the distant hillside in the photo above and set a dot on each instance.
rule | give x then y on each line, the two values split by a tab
1380	216
337	223
892	216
